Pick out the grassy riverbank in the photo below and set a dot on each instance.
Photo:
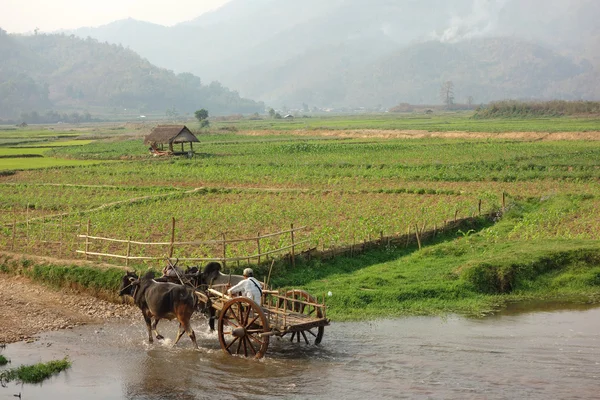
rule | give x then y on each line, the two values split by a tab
471	271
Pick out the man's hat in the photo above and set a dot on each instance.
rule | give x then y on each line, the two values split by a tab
248	272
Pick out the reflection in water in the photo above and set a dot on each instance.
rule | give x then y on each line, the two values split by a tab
538	355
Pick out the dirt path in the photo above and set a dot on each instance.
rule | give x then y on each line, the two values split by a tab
27	308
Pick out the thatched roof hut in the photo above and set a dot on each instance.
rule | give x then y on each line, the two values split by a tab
170	134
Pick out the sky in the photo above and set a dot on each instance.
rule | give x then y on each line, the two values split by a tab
23	16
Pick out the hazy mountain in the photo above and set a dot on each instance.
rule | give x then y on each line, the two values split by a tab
58	72
327	52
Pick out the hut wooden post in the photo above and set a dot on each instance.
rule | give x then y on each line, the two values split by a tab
172	237
293	252
87	238
128	252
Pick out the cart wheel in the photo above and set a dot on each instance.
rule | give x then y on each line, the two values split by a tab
312	311
240	326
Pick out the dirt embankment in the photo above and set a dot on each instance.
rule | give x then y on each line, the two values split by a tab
27	309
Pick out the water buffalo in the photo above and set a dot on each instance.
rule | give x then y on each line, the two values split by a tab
159	300
212	276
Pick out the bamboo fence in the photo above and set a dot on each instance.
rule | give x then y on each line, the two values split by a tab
172	245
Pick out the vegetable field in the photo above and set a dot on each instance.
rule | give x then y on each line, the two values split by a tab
345	188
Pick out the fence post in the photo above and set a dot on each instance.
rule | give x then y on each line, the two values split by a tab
479	207
224	251
128	252
258	246
14	232
60	236
27	226
293	252
43	228
87	238
455	215
418	235
172	237
503	202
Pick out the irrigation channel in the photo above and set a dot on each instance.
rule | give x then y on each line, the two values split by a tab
551	353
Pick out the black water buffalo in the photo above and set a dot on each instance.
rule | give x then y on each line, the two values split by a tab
159	300
212	276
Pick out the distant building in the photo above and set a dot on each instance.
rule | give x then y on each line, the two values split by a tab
288	116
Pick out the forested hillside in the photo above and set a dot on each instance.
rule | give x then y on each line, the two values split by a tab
351	53
44	73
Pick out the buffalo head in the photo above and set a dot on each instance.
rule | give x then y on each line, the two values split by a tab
211	272
128	284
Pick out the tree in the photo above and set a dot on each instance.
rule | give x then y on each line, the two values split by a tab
447	94
201	115
271	113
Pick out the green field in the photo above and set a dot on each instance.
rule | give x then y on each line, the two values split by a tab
346	189
443	122
26	149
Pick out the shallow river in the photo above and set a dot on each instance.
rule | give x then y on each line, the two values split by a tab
517	355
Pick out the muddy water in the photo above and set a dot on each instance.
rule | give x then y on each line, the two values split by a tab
547	354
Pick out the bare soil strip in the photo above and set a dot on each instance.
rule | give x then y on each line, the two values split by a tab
420	134
27	309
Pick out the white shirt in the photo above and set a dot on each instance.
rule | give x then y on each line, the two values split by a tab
249	288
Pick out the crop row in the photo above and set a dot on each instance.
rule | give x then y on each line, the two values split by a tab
332	219
24	202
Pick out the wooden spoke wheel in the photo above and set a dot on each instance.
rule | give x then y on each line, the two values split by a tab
315	334
241	324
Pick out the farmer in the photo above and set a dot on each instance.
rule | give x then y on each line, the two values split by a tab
248	287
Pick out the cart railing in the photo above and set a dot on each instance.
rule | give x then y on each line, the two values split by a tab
282	309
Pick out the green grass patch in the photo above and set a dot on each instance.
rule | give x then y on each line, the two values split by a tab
7	164
15	152
3	360
94	279
34	373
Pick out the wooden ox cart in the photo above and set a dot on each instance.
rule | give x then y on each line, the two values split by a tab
244	327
